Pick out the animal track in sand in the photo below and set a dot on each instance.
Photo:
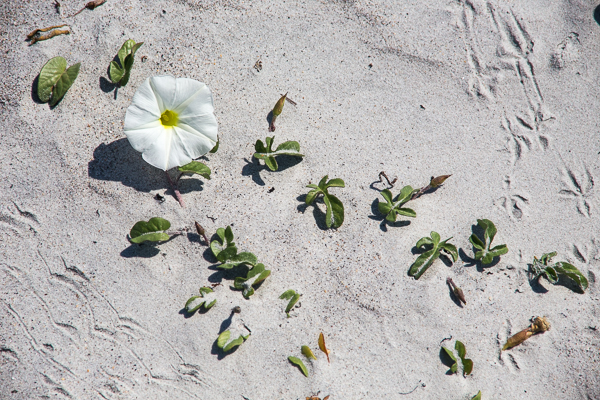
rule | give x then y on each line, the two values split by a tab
515	204
578	185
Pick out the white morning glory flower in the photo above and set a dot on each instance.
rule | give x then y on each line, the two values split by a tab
171	121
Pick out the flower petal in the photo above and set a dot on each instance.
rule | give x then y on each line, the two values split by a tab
143	109
193	98
160	147
203	124
194	143
164	87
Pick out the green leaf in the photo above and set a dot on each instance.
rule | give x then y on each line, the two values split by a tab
467	366
126	55
214	149
551	275
290	147
64	83
291	303
115	73
234	343
436	237
450	248
460	347
424	241
434	257
259	273
189	304
384	208
223	338
335	211
392	216
49	75
288	294
387	195
266	153
336	182
322	182
414	268
546	257
477	396
498	250
271	163
298	362
407	212
489	229
308	353
196	167
125	50
405	195
487	258
150	230
227	254
229	235
449	353
573	273
476	242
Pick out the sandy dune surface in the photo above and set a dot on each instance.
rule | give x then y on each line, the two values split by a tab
501	94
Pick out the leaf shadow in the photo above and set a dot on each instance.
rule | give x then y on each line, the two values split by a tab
190	185
535	284
318	214
227	274
186	314
253	168
384	223
118	161
446	360
34	95
216	350
143	250
270	121
469	261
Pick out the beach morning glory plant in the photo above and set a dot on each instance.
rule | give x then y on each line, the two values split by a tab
171	122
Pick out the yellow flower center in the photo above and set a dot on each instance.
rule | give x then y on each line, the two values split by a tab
169	118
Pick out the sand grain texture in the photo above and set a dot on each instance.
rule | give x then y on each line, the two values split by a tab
502	95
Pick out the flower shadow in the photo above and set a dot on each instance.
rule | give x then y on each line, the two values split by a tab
118	161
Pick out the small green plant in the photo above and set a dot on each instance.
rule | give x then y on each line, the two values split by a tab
307	352
277	111
555	271
293	298
55	79
298	362
393	206
119	74
252	280
195	302
462	353
334	217
224	338
266	153
477	396
152	231
485	253
432	247
225	250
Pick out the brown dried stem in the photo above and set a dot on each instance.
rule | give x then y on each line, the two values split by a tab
175	190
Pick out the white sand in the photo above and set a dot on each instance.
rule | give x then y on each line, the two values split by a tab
503	95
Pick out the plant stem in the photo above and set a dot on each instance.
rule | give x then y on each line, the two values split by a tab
175	190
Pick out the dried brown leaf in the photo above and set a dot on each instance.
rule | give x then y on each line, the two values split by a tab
322	345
